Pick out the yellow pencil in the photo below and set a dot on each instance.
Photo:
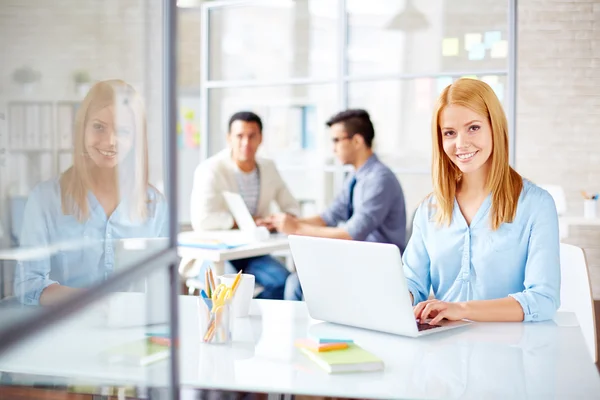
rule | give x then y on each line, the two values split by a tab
207	285
212	279
236	282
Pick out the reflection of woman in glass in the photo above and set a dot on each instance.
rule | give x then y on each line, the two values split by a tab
105	195
486	241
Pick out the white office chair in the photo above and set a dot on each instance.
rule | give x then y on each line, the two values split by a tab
558	194
560	200
576	293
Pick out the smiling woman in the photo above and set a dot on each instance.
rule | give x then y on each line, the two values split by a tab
111	150
486	241
104	196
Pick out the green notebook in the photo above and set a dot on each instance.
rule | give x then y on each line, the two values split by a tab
352	359
140	352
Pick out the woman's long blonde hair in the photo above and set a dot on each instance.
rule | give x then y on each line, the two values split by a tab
132	172
504	183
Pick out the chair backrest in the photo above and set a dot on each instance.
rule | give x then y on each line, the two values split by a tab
576	292
17	209
558	194
409	224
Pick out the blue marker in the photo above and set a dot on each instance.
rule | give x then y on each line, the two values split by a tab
158	334
207	301
323	340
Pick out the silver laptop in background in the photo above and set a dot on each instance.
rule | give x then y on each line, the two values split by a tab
240	211
360	284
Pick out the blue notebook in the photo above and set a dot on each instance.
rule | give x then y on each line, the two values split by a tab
210	244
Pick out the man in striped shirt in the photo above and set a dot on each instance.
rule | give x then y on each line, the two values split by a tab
237	169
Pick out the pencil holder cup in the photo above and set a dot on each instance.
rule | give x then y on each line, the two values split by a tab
242	298
589	208
215	324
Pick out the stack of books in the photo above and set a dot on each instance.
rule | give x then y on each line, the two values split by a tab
339	355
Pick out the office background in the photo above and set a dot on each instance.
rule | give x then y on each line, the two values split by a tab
291	62
397	59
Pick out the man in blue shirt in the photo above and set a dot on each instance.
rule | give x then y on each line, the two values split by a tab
371	205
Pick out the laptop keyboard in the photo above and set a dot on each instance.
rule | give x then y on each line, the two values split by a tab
424	327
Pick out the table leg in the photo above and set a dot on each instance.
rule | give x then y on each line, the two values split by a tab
1	279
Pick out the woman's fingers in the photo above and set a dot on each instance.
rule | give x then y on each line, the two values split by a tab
431	310
419	308
441	315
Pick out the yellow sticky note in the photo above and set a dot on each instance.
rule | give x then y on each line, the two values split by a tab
450	47
500	49
472	39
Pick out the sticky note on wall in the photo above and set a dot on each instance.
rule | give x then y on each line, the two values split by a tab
477	52
450	47
499	90
491	37
500	49
442	82
472	39
423	94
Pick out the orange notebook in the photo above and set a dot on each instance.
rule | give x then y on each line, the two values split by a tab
316	347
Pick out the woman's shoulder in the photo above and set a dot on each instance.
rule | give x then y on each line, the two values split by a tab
532	193
155	195
534	197
426	209
46	192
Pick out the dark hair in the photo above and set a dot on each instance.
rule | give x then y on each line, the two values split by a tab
246	116
355	122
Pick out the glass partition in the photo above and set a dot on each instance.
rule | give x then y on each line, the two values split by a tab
118	346
82	144
242	41
390	58
429	37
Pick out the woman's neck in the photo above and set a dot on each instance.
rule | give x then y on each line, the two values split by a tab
474	183
104	180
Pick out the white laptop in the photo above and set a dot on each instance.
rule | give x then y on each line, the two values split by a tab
240	212
360	284
243	218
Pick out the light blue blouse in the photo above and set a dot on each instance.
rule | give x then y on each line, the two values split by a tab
461	262
92	258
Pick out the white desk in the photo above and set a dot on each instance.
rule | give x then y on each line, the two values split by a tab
566	222
480	361
218	257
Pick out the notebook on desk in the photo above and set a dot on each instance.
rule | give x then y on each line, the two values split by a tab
352	359
208	244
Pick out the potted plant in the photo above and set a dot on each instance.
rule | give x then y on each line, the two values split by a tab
26	77
82	82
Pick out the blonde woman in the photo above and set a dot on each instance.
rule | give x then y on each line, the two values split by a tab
486	241
104	196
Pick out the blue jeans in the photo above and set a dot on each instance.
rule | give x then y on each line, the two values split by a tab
293	289
268	272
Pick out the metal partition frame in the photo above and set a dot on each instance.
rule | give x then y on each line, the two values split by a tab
166	258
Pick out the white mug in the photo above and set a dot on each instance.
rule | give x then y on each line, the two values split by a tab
242	297
589	208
